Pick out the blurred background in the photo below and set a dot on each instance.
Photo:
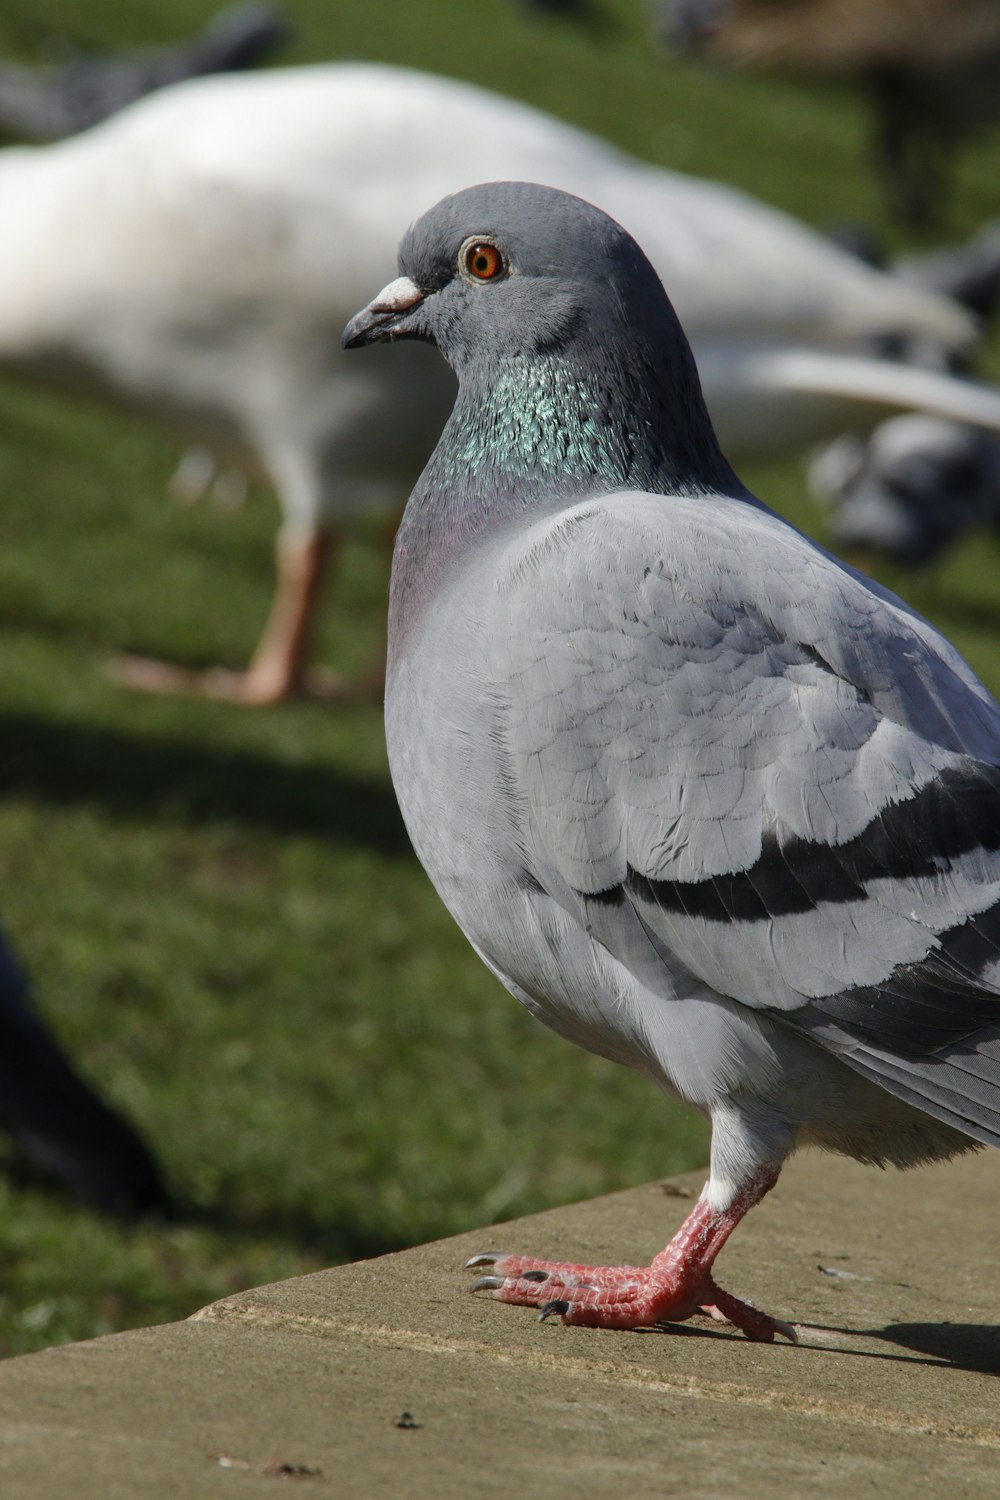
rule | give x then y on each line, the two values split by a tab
223	923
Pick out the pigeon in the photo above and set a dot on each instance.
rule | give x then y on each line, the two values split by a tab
910	489
57	1120
929	66
195	257
46	104
707	801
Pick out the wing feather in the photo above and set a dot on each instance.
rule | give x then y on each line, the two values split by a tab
786	775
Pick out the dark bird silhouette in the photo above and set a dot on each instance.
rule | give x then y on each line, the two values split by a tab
58	1121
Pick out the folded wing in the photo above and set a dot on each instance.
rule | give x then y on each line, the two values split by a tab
730	755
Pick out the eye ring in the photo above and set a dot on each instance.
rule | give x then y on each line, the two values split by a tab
481	260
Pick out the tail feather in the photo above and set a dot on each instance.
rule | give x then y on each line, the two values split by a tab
865	381
960	1085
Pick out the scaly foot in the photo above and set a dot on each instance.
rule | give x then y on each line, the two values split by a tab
676	1285
620	1296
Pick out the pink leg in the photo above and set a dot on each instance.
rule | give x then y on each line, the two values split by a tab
278	669
676	1285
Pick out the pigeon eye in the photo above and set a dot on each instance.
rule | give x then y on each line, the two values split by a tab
482	261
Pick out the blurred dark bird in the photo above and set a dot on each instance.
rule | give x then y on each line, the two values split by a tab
49	103
930	67
904	492
969	273
194	258
909	490
58	1121
584	11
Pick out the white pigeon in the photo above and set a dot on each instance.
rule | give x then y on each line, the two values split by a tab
707	801
195	256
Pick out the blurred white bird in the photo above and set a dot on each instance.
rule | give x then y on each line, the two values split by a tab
196	256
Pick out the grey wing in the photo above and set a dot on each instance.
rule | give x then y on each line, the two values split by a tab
734	757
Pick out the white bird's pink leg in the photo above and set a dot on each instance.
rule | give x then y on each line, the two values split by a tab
279	667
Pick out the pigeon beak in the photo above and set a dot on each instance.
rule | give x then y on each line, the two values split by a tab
381	319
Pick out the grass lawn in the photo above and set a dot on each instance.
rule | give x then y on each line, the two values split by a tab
219	908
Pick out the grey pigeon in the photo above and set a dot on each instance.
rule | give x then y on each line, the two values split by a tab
969	272
49	103
910	489
56	1119
708	802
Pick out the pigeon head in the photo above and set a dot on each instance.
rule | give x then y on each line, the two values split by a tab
571	360
509	270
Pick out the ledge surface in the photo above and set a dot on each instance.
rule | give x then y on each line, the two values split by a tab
894	1385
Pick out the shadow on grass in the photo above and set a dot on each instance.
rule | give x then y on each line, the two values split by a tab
234	1219
66	763
332	1243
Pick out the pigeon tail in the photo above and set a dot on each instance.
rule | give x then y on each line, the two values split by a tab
960	1088
861	381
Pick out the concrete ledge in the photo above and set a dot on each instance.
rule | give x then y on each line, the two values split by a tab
894	1386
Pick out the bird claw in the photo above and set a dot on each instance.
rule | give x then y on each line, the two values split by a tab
619	1296
486	1284
778	1326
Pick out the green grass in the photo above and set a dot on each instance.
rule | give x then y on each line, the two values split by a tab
219	909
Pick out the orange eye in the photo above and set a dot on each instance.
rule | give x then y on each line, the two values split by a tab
482	260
